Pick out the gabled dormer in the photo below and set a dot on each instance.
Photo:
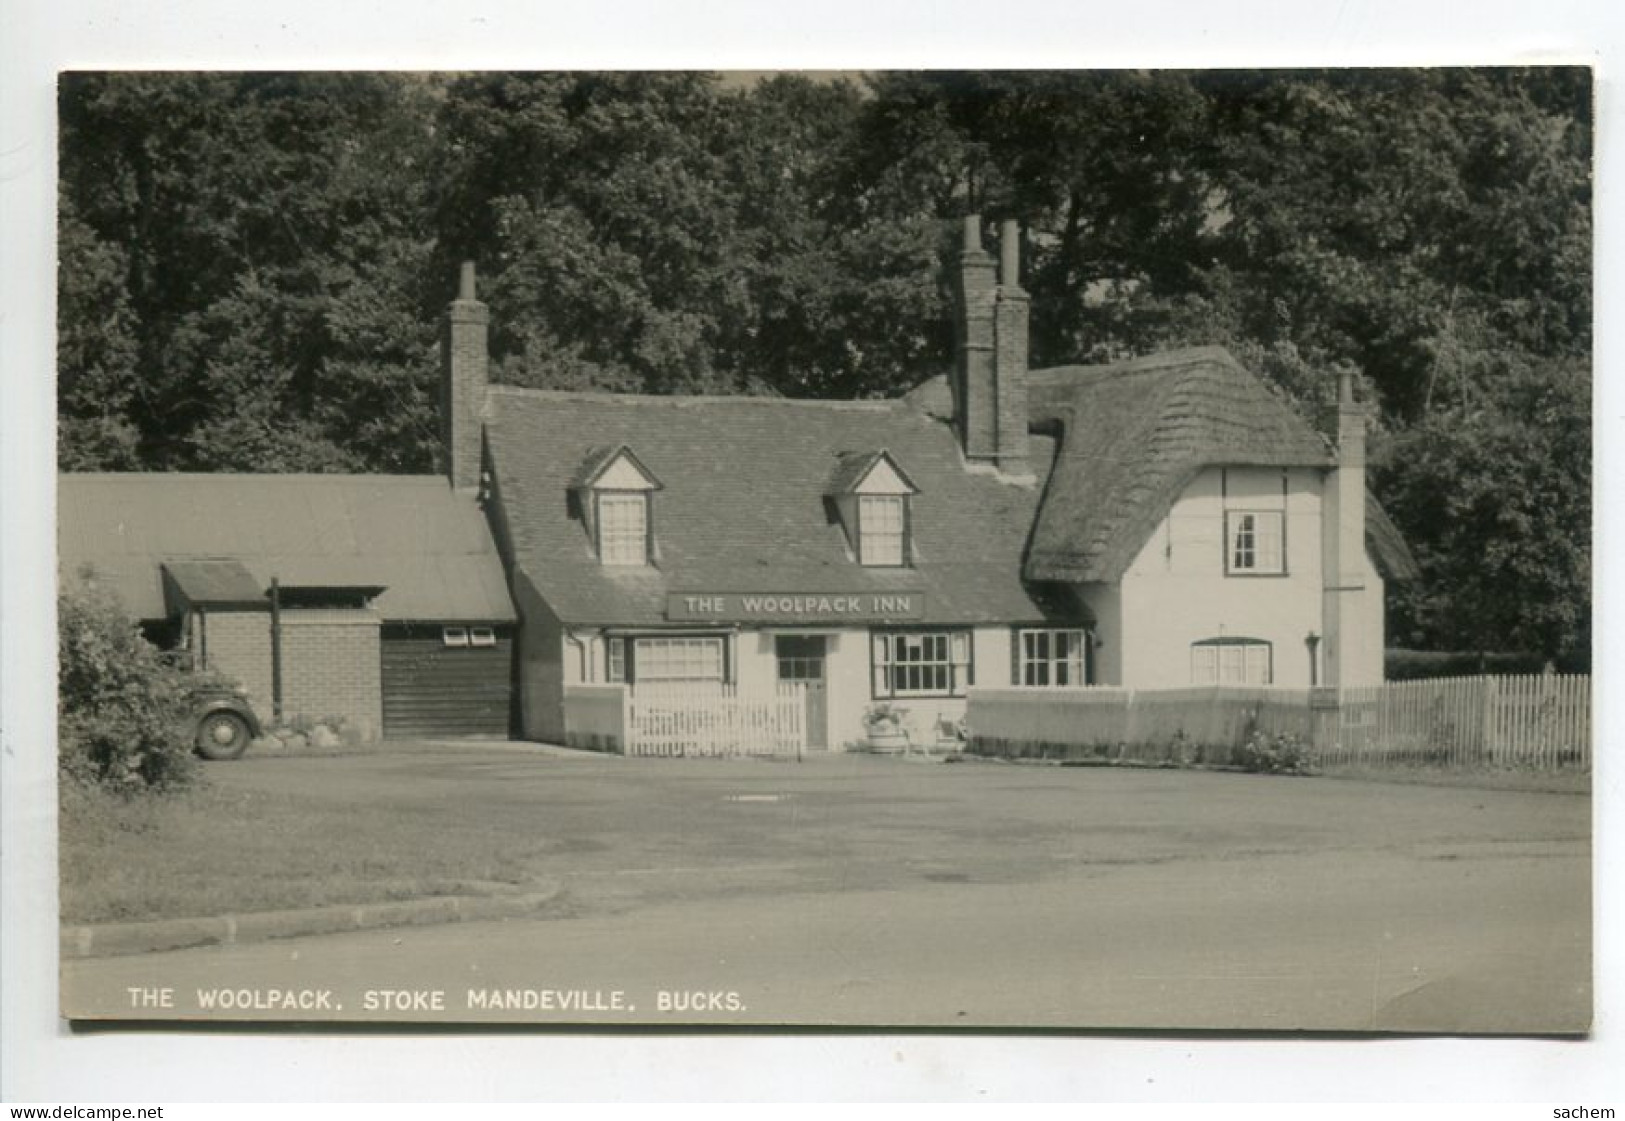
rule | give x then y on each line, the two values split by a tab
873	497
613	494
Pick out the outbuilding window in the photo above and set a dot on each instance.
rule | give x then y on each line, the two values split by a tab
922	663
1232	661
1051	658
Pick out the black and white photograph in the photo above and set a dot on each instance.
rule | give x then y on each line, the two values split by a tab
1064	549
555	573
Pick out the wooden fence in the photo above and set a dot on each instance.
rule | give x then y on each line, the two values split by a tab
1541	721
1538	721
710	718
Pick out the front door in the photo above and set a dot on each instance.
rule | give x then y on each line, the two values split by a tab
801	658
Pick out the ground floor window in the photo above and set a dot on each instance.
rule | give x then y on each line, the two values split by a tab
1052	658
696	658
1231	661
922	663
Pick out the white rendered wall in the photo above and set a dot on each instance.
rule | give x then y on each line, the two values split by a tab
1176	591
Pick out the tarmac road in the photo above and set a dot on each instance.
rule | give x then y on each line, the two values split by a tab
1482	937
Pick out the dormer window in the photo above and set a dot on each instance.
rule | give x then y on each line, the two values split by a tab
614	493
881	524
873	497
623	527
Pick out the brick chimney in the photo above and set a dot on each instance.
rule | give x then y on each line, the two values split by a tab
990	376
1346	641
974	413
1010	356
464	377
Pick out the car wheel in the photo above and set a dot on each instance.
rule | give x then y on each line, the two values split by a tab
222	735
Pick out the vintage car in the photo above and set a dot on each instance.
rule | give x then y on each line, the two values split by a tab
224	723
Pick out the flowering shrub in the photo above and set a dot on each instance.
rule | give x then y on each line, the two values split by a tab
122	710
1281	754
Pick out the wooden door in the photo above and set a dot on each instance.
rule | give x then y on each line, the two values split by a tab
802	658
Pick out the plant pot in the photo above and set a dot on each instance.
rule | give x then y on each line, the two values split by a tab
887	738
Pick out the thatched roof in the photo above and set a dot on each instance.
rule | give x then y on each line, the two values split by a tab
1133	435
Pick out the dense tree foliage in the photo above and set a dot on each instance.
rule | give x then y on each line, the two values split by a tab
253	265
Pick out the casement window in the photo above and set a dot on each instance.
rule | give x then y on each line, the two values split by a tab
1052	658
1232	661
623	528
1254	542
883	530
669	659
615	670
922	663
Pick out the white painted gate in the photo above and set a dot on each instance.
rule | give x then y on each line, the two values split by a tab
711	718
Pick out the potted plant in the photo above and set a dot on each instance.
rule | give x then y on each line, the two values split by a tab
883	724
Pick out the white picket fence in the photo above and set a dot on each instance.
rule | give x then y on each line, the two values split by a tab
710	718
1540	721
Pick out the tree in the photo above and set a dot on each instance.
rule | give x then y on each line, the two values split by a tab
1496	497
270	232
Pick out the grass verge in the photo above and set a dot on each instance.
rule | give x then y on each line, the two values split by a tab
210	851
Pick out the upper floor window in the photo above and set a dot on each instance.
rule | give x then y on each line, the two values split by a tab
882	529
1053	658
623	528
872	495
1254	543
612	492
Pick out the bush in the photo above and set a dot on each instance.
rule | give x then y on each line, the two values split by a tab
122	711
1281	754
1410	665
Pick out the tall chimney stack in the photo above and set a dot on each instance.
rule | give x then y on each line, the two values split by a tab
1346	639
464	378
974	414
990	377
1010	355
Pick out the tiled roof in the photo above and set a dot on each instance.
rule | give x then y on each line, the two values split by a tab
428	545
744	506
851	468
1133	434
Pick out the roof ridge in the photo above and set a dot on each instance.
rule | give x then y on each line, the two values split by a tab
698	399
1177	360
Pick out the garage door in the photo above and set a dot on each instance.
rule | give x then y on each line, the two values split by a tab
452	679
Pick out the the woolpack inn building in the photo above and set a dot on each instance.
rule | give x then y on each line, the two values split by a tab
1157	523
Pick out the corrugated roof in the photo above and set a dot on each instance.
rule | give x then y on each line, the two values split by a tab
744	507
1134	433
215	582
428	545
